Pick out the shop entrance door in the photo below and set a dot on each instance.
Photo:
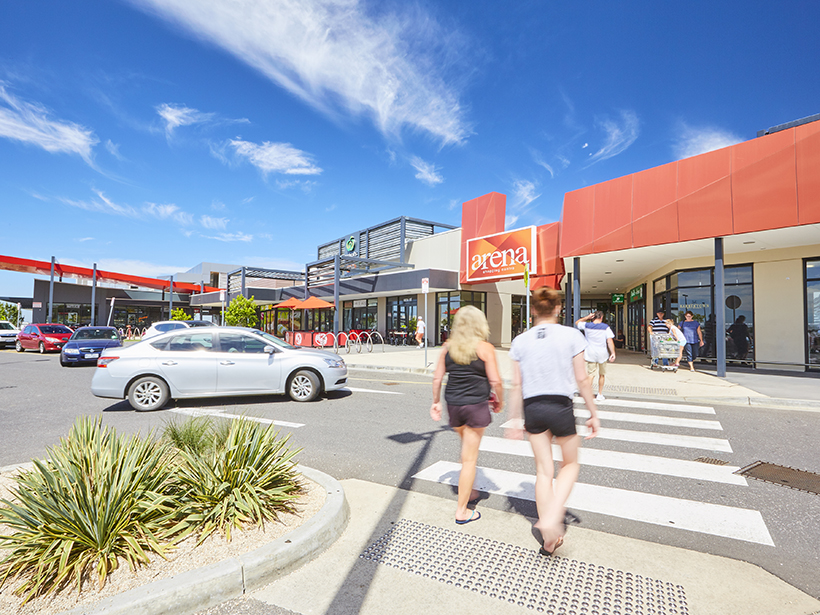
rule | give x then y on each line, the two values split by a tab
636	326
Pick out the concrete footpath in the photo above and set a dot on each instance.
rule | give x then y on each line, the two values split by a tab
493	565
630	377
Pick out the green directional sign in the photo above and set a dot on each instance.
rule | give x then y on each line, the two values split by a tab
617	298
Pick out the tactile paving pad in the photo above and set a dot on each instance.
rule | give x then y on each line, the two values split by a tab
553	585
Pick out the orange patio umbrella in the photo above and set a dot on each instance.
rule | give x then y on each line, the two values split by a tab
313	303
291	303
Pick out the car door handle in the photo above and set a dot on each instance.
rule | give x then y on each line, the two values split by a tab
169	362
226	363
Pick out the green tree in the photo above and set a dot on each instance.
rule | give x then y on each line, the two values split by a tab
8	311
241	312
179	314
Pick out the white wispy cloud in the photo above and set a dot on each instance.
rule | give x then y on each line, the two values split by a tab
523	193
138	267
32	123
427	172
175	116
270	157
692	141
84	239
274	263
304	185
113	149
102	204
619	135
539	160
214	224
166	211
338	53
231	237
452	204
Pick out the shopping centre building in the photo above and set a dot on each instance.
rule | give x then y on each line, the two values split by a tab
732	235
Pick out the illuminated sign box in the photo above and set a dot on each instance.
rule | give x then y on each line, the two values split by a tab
502	255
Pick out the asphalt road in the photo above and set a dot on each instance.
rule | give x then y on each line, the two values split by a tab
380	431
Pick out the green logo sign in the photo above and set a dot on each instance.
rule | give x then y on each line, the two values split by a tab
617	298
636	294
350	245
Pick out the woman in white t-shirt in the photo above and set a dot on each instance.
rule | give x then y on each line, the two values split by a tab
548	367
679	337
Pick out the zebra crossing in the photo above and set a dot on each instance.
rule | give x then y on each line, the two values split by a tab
700	433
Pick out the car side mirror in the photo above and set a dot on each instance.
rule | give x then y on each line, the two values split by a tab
270	349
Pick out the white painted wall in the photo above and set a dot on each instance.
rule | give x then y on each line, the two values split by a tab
779	312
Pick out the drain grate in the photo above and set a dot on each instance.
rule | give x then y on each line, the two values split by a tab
500	571
782	475
625	388
712	460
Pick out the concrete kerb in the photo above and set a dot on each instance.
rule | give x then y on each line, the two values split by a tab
209	586
805	405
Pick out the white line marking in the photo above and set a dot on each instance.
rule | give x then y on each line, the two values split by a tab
714	519
616	460
357	390
646	437
651	419
220	414
649	405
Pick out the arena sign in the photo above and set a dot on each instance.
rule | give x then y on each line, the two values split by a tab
501	255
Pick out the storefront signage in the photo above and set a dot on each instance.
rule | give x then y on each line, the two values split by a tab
352	246
502	255
636	294
617	298
36	304
357	303
425	285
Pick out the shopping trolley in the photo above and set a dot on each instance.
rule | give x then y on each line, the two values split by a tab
664	346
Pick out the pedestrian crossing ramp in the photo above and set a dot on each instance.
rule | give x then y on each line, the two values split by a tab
673	428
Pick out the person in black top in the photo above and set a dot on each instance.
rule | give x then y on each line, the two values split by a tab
473	385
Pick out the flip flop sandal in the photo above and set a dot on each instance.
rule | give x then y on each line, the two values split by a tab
473	517
558	543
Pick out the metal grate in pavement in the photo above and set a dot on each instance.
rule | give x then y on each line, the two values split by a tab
712	460
500	571
782	475
626	388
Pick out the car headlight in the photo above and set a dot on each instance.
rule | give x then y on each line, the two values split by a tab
53	340
335	362
71	351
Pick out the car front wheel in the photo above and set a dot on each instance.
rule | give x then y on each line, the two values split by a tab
18	346
304	386
148	393
42	348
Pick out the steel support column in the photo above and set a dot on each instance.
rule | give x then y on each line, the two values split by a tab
306	284
567	302
576	289
336	310
94	296
720	312
244	294
171	298
402	237
51	291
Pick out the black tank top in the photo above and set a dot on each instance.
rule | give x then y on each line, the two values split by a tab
468	384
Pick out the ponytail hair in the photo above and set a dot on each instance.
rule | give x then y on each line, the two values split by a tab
545	300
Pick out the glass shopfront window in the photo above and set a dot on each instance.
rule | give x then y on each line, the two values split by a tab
401	318
694	291
136	316
447	304
519	315
319	320
812	278
359	314
277	321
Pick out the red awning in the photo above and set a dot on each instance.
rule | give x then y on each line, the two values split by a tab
24	265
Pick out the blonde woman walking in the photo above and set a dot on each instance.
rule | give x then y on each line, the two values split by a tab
470	361
548	367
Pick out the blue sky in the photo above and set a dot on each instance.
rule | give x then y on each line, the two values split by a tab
148	136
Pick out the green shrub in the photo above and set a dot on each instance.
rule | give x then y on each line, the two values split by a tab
98	498
251	478
194	434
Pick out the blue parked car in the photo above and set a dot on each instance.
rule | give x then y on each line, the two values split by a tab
87	343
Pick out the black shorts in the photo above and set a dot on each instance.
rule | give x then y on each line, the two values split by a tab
550	412
476	416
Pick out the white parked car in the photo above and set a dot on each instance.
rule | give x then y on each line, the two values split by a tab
214	362
8	333
158	328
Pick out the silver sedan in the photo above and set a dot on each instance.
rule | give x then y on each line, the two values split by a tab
213	362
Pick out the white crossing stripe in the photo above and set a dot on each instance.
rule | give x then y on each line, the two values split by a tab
713	519
646	437
223	415
650	405
651	419
650	464
357	390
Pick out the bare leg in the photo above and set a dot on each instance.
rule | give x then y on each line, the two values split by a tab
601	384
550	499
470	440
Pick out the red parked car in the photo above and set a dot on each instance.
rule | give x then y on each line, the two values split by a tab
44	337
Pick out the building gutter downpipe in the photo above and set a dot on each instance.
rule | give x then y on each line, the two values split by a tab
576	289
50	291
720	312
94	296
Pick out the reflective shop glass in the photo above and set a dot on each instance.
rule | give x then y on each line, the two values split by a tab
360	314
447	304
813	312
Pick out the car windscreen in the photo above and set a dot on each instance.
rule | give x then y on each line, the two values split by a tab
95	334
6	326
54	329
198	323
278	343
185	342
